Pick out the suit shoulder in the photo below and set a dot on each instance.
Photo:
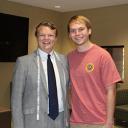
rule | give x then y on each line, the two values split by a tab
26	58
61	56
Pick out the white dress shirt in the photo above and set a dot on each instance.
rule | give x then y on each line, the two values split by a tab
44	57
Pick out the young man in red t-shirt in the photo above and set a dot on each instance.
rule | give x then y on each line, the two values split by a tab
93	79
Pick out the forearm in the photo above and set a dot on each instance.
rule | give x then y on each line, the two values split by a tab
111	93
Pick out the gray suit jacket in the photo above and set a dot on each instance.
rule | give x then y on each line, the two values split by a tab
24	91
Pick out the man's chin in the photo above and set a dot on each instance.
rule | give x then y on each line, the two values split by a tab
79	43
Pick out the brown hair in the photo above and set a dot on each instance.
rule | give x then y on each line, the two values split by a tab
47	24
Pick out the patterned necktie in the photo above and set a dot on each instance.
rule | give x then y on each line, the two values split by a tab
53	99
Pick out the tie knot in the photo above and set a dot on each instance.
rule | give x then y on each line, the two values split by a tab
49	56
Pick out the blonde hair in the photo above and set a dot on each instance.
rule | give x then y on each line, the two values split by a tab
81	19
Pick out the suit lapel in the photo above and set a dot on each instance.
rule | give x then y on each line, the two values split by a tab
43	78
42	74
61	74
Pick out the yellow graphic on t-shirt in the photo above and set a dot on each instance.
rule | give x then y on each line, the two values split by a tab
89	67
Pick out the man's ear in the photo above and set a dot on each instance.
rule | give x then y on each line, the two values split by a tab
90	31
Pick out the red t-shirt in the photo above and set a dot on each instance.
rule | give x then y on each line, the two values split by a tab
90	72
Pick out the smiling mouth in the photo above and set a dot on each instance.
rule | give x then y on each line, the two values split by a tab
78	39
46	42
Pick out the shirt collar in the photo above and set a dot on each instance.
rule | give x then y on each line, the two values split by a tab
44	55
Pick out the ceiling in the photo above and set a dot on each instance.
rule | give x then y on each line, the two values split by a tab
70	5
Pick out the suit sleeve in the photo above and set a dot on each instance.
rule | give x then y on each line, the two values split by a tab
18	84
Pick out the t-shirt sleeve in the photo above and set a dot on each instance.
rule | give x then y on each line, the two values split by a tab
109	70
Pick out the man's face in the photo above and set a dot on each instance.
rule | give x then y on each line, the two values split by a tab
79	33
46	38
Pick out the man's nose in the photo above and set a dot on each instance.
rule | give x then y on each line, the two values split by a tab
77	32
46	36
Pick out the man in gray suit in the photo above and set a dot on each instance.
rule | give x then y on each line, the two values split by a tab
30	95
